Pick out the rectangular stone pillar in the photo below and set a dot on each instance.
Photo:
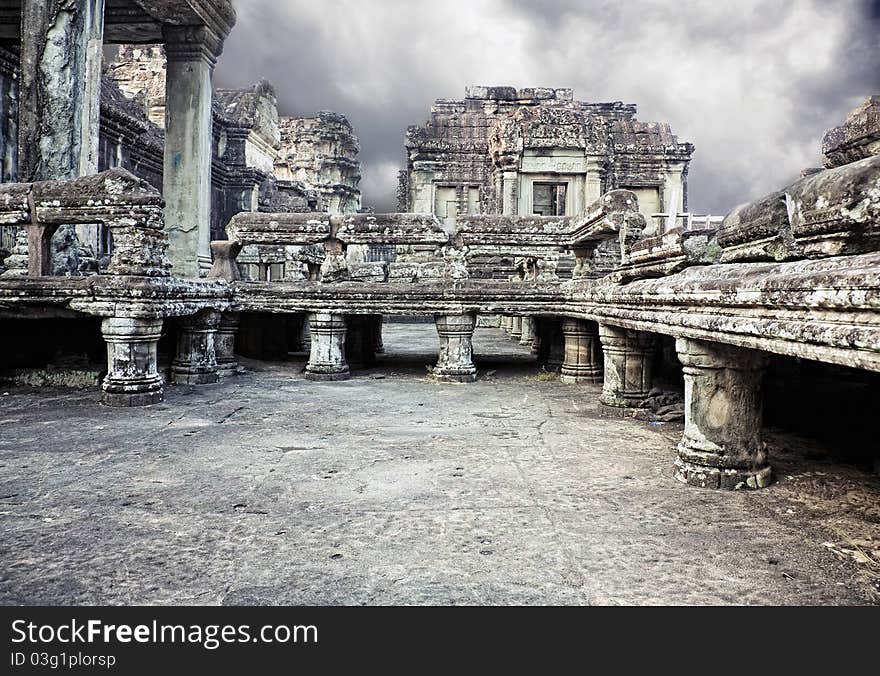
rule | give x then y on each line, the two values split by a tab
594	179
509	193
60	88
60	104
191	53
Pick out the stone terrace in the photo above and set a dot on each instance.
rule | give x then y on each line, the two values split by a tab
268	488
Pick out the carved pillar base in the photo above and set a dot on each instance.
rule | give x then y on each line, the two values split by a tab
628	366
721	446
327	356
224	343
527	333
582	353
132	377
196	360
516	328
455	363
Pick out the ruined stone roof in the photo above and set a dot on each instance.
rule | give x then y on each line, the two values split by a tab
242	105
122	110
855	139
509	119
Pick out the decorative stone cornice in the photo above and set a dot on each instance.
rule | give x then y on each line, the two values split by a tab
216	15
192	43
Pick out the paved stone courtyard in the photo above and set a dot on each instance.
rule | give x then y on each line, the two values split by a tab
392	489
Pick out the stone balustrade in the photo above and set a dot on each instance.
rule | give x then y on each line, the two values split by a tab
128	206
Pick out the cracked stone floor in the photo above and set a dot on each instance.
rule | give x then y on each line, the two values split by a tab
392	489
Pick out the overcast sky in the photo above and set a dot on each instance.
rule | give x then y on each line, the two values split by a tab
752	84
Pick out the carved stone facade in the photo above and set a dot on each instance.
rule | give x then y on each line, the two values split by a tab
537	151
322	153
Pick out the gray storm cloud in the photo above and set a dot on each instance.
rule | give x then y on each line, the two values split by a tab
752	83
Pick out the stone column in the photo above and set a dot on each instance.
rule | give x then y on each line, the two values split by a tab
582	352
556	349
132	375
60	103
455	363
191	54
527	332
594	179
305	336
629	357
509	193
378	344
359	342
293	334
537	331
721	446
327	356
196	360
60	89
516	328
224	343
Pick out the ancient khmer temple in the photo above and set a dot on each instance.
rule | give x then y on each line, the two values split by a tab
157	230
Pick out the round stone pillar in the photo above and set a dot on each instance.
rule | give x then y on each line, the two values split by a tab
527	334
305	337
378	344
516	328
583	355
359	342
327	356
196	359
132	376
224	343
455	361
537	332
721	446
629	357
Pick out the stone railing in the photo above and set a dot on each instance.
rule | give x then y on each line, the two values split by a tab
129	207
427	251
831	213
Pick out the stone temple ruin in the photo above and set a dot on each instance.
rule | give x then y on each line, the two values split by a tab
166	216
499	188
